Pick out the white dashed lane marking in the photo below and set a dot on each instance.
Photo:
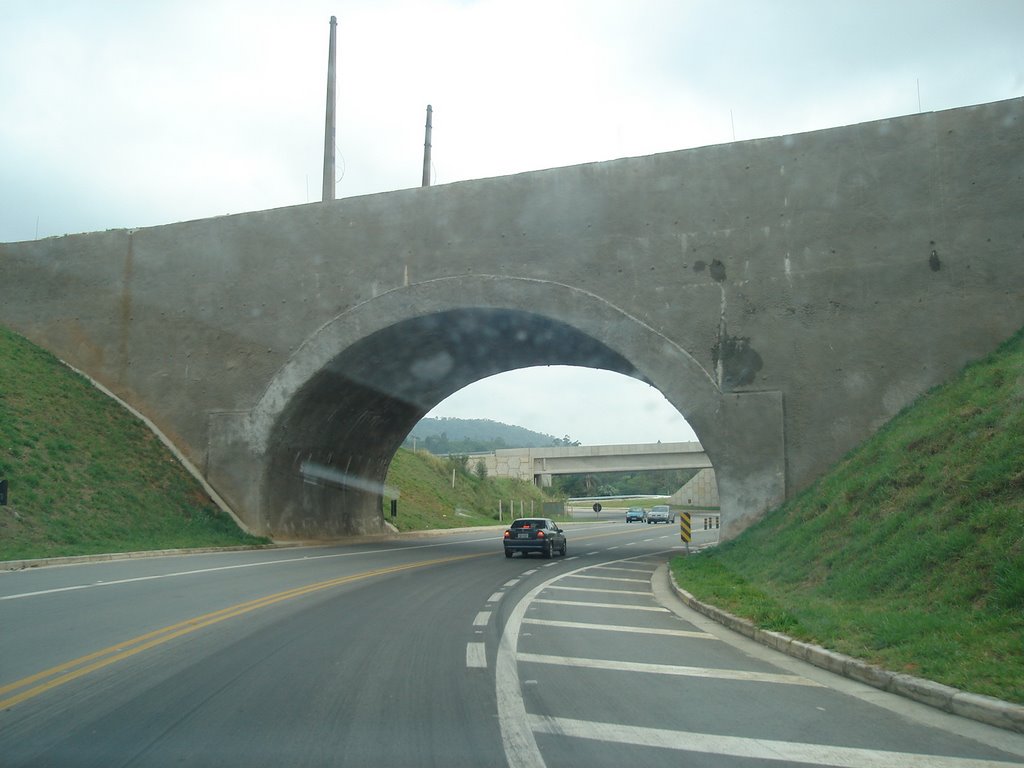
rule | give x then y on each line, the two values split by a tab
476	655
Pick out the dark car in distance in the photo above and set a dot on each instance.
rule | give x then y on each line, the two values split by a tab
534	534
636	513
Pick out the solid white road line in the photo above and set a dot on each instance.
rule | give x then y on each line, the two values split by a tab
651	608
667	669
621	628
517	738
756	749
609	578
617	568
600	591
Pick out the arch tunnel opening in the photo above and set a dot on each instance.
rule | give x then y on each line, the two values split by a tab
332	444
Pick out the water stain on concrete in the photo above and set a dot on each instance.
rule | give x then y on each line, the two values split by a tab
736	361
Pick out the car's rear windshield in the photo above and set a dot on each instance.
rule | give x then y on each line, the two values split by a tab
528	524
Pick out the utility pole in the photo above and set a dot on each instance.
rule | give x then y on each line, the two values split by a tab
426	148
329	122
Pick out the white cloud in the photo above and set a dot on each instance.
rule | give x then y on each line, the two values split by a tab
594	407
124	114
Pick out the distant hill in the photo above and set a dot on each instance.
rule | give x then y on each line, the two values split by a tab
451	435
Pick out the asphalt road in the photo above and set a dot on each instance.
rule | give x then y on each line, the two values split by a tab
427	651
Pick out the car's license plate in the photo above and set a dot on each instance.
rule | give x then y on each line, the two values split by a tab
524	536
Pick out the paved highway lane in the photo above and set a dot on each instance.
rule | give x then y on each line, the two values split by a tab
419	652
53	614
354	655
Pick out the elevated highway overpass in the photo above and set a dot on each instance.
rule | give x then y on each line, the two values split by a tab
538	465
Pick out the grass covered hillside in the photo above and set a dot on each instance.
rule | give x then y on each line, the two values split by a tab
908	554
426	498
84	475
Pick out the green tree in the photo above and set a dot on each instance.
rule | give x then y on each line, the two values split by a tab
437	444
459	462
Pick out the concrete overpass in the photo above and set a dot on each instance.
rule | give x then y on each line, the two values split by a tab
788	296
538	465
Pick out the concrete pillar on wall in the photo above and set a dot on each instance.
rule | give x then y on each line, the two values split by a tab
329	122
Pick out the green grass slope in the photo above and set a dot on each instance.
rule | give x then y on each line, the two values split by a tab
427	499
910	553
84	475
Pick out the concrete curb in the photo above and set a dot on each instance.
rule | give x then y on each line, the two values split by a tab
984	709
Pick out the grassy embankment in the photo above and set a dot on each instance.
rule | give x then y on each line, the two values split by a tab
86	477
909	554
428	500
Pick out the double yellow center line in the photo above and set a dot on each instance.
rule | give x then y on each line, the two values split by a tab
41	682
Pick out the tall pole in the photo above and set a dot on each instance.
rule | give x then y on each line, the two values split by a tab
426	148
329	123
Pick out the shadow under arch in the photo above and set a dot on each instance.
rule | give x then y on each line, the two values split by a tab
323	434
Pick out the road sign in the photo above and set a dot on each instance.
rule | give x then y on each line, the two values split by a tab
597	506
684	528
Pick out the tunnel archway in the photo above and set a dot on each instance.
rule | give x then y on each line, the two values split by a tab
334	442
332	419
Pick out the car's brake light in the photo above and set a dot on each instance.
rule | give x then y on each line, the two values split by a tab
540	534
508	534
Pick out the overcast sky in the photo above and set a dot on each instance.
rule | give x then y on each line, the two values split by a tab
122	113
